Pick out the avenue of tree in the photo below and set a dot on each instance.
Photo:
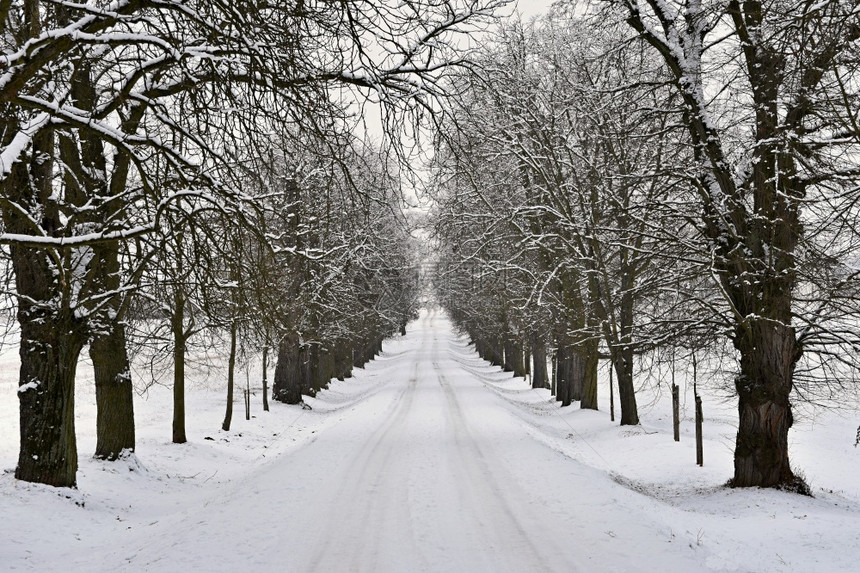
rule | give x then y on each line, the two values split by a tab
637	178
176	166
613	180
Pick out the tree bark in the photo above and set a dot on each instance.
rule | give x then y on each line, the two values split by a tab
623	362
358	358
179	341
326	369
563	376
517	358
231	370
49	351
287	387
576	358
342	360
509	347
588	400
51	336
539	371
763	385
496	351
754	223
115	431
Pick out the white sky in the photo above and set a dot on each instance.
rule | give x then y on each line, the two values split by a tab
532	7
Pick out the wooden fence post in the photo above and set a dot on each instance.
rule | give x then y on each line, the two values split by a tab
676	417
611	395
247	395
699	448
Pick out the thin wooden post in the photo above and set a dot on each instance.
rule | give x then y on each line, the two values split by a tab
611	394
676	418
247	395
699	448
265	379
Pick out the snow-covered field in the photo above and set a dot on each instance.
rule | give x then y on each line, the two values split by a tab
427	460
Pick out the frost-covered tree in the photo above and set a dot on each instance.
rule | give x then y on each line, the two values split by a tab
106	96
769	101
562	139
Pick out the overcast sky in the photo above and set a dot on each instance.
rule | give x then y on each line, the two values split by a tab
532	7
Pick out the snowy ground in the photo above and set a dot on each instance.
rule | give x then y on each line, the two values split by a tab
427	460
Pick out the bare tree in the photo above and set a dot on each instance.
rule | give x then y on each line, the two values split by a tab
769	104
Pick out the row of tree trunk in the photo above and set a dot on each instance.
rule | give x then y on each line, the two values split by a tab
575	365
304	368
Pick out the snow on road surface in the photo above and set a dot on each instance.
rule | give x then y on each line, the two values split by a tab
430	473
425	466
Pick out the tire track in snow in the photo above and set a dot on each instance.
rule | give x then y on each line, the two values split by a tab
367	495
499	523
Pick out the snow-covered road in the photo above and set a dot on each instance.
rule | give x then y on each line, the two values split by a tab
431	472
429	459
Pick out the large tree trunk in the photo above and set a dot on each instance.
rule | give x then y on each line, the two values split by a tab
754	223
114	394
588	399
517	360
326	370
509	347
342	360
179	341
114	390
51	336
358	355
623	362
577	372
539	371
49	350
308	357
564	374
768	355
496	352
287	385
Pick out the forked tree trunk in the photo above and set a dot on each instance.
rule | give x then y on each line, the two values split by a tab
755	253
51	336
86	182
